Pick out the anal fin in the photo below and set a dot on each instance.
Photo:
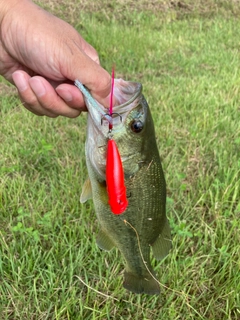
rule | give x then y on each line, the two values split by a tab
163	244
103	241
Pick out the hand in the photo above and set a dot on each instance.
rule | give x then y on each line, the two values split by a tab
42	55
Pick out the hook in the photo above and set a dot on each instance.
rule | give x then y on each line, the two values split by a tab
111	116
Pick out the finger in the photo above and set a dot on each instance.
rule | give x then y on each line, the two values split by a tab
90	51
72	96
29	108
49	99
26	94
96	79
80	66
39	96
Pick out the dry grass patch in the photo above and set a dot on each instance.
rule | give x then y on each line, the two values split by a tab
71	10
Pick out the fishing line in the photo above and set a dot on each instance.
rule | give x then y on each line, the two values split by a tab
139	247
95	290
180	294
113	298
111	94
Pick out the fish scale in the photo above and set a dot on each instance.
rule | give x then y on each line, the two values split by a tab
144	224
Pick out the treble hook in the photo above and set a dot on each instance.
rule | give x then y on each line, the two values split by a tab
111	116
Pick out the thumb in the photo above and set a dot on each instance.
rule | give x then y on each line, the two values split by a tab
83	68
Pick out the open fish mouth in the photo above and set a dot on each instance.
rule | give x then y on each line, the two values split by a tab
125	95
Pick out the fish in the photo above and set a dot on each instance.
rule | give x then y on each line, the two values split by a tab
143	224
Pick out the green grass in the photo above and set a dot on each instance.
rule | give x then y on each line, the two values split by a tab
188	62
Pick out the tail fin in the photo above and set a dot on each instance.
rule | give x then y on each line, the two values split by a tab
145	284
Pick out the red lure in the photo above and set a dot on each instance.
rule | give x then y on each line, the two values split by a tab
115	179
114	170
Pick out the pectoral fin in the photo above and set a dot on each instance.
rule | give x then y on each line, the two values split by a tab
103	241
86	191
163	243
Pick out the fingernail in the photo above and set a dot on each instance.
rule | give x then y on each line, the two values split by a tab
65	95
37	87
20	81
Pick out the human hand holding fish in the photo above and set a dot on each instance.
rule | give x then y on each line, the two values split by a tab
142	223
42	55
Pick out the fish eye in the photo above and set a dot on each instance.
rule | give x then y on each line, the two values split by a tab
136	126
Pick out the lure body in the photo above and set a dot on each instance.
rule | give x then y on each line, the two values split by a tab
114	170
115	179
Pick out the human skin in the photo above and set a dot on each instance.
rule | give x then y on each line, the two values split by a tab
42	55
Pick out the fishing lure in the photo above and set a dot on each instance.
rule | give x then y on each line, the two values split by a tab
115	179
114	170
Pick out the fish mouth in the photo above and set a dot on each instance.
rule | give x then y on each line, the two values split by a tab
125	92
125	95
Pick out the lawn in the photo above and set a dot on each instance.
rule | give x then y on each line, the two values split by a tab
187	59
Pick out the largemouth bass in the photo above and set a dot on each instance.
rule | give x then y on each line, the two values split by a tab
143	225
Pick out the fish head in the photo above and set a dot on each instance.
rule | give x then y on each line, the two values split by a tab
132	128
